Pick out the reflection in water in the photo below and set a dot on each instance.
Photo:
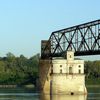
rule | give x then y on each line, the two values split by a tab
63	97
29	94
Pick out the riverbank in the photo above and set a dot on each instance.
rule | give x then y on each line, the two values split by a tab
8	86
16	86
28	86
93	81
90	86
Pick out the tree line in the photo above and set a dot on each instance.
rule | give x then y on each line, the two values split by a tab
18	70
92	69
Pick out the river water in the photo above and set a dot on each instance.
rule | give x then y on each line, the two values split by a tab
29	94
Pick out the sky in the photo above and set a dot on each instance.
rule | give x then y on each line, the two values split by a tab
24	23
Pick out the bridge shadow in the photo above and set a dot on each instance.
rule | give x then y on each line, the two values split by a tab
63	97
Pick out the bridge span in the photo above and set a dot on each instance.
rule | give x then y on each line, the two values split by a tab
83	39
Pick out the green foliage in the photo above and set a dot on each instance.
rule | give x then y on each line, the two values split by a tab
92	69
18	70
93	81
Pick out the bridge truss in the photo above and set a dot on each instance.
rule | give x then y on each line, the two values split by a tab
83	39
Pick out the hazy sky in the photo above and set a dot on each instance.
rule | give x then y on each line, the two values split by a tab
24	23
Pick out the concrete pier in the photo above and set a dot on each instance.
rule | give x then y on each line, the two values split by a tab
62	75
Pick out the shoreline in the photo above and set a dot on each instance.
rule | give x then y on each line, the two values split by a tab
17	86
8	86
31	86
90	86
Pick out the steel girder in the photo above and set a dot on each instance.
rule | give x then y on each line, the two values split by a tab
83	39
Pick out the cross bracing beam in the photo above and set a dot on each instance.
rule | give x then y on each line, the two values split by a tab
83	39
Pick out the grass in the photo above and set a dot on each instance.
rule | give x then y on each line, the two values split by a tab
29	86
93	82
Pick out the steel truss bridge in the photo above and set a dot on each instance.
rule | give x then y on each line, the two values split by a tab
83	39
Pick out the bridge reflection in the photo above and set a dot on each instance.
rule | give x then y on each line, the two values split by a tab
63	97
